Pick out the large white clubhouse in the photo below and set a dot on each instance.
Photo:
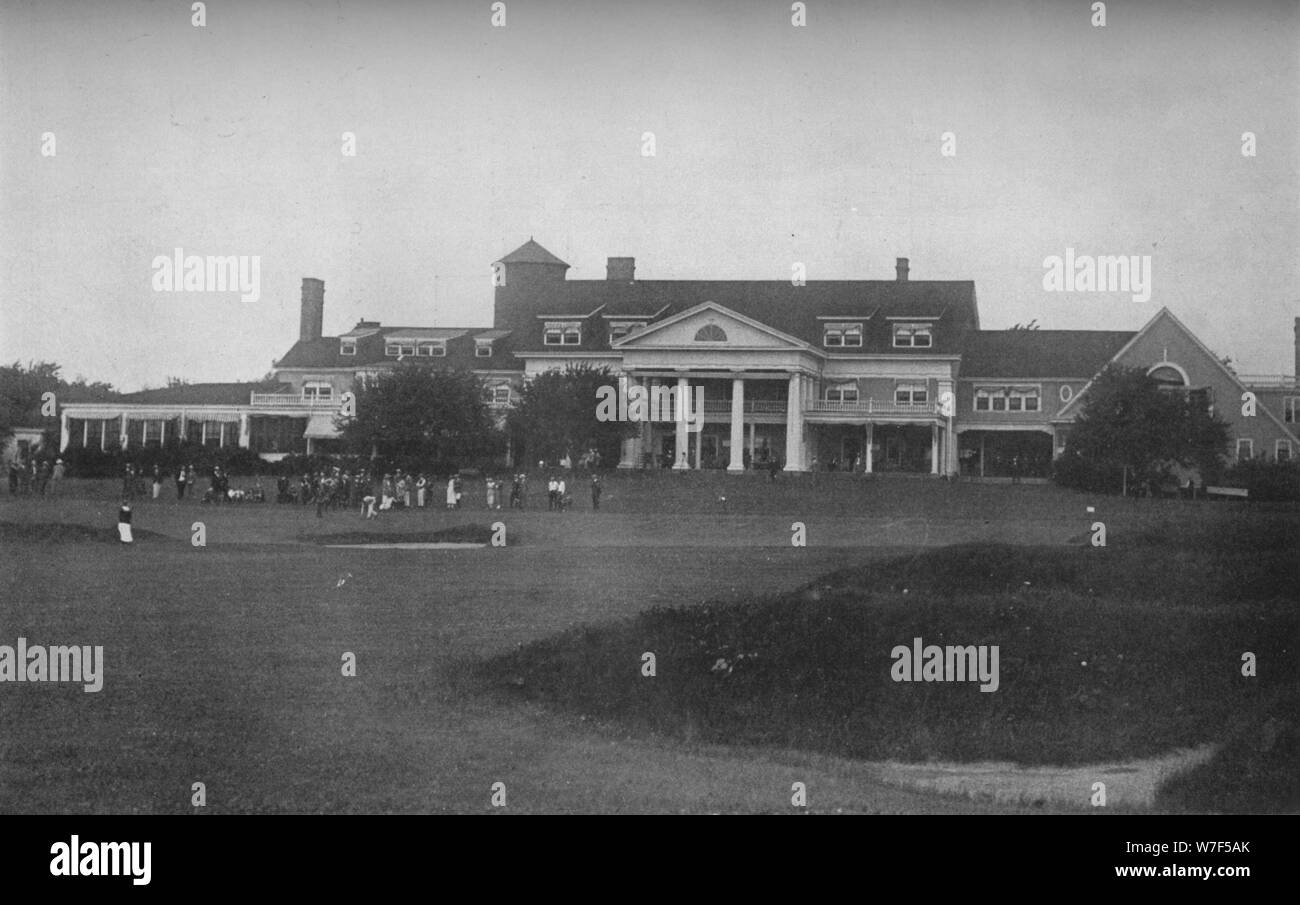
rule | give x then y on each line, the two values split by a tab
872	375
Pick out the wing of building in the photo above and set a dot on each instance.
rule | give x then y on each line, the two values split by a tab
872	375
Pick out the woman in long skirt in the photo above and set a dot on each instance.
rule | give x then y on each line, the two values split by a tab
124	522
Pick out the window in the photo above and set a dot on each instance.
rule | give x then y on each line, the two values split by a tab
432	350
912	336
399	350
483	350
153	433
317	390
1007	399
1291	409
842	336
620	329
1282	451
1167	377
562	334
1023	399
1245	449
911	394
213	433
347	347
501	395
843	393
710	333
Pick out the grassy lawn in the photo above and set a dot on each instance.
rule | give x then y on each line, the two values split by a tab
1112	653
222	662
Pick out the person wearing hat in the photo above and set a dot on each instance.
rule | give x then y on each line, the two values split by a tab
59	471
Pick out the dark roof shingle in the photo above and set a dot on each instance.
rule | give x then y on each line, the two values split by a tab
1012	354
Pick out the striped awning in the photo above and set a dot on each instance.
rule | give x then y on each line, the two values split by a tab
321	427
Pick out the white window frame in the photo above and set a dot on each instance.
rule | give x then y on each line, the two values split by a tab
842	392
1278	447
910	332
841	334
348	347
620	329
562	329
1291	409
498	392
399	349
312	389
431	349
1250	447
911	388
483	349
1024	395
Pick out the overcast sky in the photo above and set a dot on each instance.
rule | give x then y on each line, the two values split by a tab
774	144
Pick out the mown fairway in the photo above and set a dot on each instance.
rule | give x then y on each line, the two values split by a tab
223	662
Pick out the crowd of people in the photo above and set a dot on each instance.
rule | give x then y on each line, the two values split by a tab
33	476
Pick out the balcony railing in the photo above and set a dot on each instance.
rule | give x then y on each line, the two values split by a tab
871	407
1270	381
292	401
822	406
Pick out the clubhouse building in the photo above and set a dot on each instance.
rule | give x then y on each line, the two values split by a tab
867	375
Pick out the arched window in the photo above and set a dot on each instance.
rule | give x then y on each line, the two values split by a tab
1168	376
710	333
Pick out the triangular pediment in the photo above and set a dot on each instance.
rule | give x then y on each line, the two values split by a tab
710	325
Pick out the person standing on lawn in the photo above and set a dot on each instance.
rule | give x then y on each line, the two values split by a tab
595	492
124	522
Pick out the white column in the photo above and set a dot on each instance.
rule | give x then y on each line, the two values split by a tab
243	431
184	428
870	439
699	445
753	435
85	433
629	449
681	448
934	449
950	440
794	424
63	431
123	438
737	462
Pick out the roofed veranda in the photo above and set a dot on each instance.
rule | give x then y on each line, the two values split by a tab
869	375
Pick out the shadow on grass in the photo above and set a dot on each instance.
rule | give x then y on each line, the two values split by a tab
1106	654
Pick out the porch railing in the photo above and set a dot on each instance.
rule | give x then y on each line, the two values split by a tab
871	407
292	401
1276	381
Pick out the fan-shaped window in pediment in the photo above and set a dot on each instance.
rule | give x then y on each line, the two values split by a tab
710	333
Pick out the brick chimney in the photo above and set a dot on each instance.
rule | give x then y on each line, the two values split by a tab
622	269
900	268
312	324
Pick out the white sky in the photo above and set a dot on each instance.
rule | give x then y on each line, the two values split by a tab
775	144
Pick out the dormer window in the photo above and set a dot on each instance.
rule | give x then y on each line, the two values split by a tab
483	349
348	347
399	350
432	350
563	333
913	336
620	329
837	336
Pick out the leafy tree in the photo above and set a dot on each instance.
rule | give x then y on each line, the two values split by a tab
556	416
1129	422
22	392
419	412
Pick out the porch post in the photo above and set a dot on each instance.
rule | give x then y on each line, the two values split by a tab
871	432
794	424
934	449
737	462
681	448
243	430
125	439
753	433
63	431
628	449
981	454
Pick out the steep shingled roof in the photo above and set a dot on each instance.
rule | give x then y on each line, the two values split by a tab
1015	354
791	309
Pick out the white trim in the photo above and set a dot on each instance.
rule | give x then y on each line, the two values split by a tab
726	312
1277	447
1187	381
1236	449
